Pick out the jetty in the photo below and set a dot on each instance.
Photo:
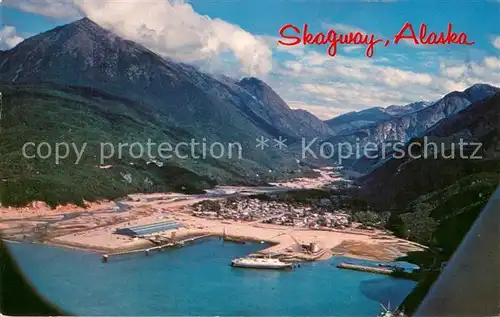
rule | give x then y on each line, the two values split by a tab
233	240
364	268
146	251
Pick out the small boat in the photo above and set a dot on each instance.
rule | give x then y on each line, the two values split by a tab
261	263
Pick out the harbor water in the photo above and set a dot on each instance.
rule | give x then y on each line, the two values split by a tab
198	280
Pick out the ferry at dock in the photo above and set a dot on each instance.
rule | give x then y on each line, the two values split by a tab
261	263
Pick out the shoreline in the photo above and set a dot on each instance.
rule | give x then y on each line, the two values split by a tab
274	248
74	246
279	239
353	243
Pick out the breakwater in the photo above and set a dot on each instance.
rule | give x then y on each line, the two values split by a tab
146	251
364	268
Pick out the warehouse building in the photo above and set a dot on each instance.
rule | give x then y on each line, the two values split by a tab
149	229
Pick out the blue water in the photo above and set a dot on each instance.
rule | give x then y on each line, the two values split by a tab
198	280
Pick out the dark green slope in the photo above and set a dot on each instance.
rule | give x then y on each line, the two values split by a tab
78	115
442	219
400	181
436	201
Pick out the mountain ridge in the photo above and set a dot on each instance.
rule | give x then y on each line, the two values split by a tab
354	120
436	200
110	63
477	123
404	128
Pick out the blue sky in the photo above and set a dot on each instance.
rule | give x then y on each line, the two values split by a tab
239	38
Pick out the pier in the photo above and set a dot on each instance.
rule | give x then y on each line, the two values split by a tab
146	251
233	240
364	268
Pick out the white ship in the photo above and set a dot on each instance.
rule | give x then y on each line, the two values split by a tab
261	263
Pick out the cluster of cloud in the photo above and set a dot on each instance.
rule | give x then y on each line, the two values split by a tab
174	29
9	37
349	83
305	78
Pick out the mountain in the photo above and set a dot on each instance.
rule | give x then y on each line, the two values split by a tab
272	108
399	181
120	91
352	121
403	128
178	92
412	107
307	119
435	199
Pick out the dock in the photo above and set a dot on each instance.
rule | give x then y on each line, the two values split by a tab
139	231
146	251
233	240
364	268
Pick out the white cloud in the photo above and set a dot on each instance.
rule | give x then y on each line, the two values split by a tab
457	75
454	72
343	28
495	41
174	29
360	69
394	77
59	9
353	83
9	37
352	48
357	95
492	62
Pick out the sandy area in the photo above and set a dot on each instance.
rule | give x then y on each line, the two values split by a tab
40	209
326	176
